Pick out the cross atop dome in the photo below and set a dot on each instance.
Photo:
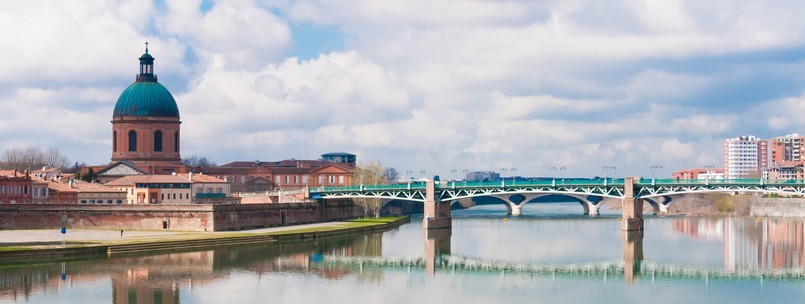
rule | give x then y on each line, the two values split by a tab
146	67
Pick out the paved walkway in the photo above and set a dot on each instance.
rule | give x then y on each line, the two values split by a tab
51	236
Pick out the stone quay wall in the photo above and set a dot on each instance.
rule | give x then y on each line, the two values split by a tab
778	207
173	217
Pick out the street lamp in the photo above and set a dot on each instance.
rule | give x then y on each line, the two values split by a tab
604	169
561	172
654	169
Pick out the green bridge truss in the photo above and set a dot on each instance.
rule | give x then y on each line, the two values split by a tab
605	188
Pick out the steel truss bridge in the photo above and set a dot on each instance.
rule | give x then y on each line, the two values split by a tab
649	189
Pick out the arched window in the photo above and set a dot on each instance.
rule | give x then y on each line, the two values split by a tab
176	142
158	141
132	141
114	141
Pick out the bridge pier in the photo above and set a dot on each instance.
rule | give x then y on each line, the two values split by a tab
437	214
632	208
515	209
590	208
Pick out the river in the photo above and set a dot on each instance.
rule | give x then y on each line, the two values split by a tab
549	255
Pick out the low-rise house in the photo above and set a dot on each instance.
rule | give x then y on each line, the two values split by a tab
15	188
61	191
47	173
205	186
40	190
787	170
94	193
154	189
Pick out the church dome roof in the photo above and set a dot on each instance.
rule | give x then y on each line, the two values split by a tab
146	99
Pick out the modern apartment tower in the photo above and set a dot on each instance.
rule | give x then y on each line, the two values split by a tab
745	157
788	148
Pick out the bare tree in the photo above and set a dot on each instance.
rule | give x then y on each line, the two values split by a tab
391	174
371	173
32	159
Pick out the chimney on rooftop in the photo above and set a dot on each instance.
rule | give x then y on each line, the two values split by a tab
191	175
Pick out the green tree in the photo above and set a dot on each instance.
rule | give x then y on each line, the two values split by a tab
198	162
91	176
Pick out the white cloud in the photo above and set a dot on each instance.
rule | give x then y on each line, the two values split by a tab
778	123
426	84
704	124
674	149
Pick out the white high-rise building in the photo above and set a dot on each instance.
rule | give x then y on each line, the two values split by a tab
745	157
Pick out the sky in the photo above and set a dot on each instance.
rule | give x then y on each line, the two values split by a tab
420	85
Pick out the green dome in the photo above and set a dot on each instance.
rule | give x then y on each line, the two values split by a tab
147	98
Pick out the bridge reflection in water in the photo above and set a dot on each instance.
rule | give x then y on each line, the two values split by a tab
772	249
437	250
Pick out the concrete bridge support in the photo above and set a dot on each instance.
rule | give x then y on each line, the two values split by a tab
437	214
659	207
514	209
632	218
590	208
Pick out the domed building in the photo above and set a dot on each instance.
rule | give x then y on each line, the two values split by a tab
146	124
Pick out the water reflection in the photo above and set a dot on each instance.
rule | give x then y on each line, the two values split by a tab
162	278
632	256
749	243
495	261
437	244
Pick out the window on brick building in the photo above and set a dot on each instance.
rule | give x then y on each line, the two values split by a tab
132	141
158	141
114	141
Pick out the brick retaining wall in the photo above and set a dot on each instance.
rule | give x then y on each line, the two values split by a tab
174	217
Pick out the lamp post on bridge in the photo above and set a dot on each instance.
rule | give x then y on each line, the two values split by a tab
512	171
654	169
604	169
709	172
561	170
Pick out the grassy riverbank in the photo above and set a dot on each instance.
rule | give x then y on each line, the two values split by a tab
184	240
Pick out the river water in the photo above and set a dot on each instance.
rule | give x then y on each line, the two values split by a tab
548	255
